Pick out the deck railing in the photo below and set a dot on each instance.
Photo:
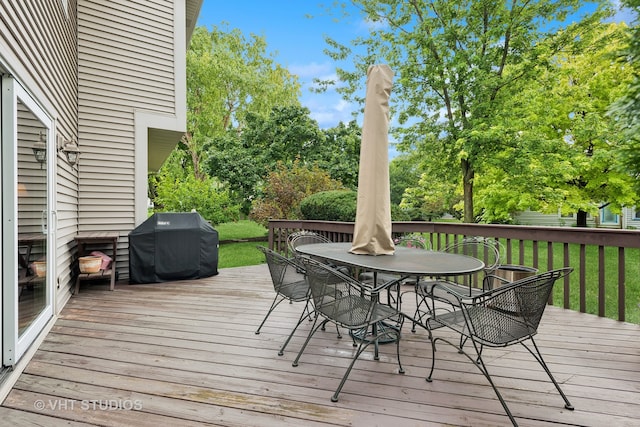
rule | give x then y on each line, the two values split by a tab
606	262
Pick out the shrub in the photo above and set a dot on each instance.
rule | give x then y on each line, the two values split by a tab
335	205
285	187
339	205
189	193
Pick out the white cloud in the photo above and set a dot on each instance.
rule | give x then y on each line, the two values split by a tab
343	105
329	109
311	70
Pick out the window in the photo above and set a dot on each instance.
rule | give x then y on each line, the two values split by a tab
608	217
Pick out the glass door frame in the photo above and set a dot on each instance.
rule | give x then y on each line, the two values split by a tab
14	345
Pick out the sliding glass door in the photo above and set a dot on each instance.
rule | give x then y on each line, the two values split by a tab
27	212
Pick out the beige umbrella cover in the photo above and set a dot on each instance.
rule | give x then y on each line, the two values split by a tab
372	232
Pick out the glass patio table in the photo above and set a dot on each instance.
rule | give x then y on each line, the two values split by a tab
405	263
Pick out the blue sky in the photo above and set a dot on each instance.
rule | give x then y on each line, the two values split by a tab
297	42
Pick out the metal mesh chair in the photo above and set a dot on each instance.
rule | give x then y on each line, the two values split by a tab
499	317
304	237
340	299
289	284
487	250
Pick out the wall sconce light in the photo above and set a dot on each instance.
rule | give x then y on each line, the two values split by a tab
40	150
70	150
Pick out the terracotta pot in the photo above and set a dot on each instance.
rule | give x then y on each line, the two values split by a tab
39	268
90	264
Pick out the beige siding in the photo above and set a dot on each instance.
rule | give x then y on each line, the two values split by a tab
38	46
109	73
126	51
548	220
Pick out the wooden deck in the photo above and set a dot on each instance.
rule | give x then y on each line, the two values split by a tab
185	354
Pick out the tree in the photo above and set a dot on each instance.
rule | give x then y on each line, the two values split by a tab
404	172
564	152
340	154
286	186
202	195
229	78
454	59
627	108
242	160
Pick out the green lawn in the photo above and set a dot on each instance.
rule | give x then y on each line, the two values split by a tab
241	253
632	279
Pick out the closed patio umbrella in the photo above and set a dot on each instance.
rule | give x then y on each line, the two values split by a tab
372	232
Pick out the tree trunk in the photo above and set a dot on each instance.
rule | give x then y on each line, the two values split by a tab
581	218
467	185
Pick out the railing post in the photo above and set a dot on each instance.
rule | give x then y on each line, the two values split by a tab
621	285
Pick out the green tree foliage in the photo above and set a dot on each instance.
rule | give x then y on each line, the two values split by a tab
456	61
564	144
229	78
627	108
189	193
340	153
286	186
404	172
242	160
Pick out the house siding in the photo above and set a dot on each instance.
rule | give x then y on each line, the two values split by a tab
127	64
112	76
38	42
626	220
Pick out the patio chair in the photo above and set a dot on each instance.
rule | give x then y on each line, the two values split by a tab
305	237
289	284
485	249
343	300
501	317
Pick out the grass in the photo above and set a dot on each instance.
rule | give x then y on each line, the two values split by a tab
240	254
243	229
592	297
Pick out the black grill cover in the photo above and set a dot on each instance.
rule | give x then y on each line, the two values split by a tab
172	246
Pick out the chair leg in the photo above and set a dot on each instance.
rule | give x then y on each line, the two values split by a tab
477	362
483	368
361	348
541	361
400	368
306	313
274	304
419	317
433	356
313	330
337	329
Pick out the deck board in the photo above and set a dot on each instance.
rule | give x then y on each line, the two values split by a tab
186	354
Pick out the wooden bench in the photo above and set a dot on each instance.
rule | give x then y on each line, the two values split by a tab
90	241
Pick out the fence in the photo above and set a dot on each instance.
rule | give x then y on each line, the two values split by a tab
606	262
